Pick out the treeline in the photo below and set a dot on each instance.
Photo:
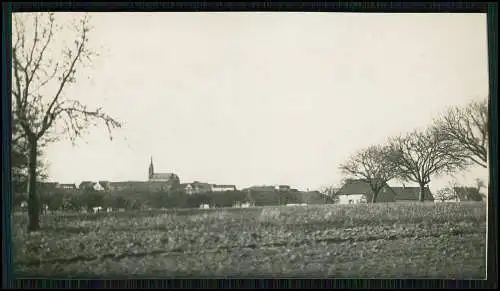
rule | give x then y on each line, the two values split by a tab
66	200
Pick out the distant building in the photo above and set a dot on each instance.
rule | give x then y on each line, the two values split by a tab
157	182
282	188
48	185
161	177
67	186
247	205
196	187
90	186
411	194
296	204
140	186
356	191
239	204
463	194
222	188
261	189
105	185
468	194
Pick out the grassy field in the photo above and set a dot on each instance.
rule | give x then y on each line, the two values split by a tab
445	240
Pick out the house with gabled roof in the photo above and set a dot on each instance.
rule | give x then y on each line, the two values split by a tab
105	185
464	193
411	194
90	185
355	191
196	187
358	191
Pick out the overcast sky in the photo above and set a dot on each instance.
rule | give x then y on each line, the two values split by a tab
266	98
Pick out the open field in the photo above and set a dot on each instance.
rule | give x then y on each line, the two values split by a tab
445	240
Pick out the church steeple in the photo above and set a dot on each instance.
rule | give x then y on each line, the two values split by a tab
151	169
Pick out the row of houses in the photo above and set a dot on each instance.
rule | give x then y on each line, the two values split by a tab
195	187
356	191
163	182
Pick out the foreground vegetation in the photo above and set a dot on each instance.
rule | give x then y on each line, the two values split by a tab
73	200
445	240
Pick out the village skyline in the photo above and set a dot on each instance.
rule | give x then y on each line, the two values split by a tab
392	183
266	98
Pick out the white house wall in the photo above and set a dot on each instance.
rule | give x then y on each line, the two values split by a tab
354	198
222	189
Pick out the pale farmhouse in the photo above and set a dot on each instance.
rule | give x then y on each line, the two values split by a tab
355	191
196	188
222	188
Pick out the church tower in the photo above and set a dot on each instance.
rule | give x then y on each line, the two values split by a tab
151	169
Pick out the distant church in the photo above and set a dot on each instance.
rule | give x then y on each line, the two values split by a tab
156	182
160	177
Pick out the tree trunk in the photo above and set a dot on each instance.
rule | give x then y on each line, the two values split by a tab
33	199
375	191
421	192
374	197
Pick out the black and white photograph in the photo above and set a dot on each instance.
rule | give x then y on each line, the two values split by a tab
250	145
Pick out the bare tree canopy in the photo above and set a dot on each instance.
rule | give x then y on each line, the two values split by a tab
479	184
420	155
445	194
329	190
43	67
468	127
375	165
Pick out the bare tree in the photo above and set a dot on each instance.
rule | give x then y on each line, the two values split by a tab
468	127
374	165
479	184
420	155
445	194
329	190
40	78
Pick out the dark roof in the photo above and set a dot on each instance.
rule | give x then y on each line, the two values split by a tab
140	185
203	186
263	197
261	188
137	183
48	184
165	176
468	193
129	182
215	185
87	184
358	186
411	193
200	183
